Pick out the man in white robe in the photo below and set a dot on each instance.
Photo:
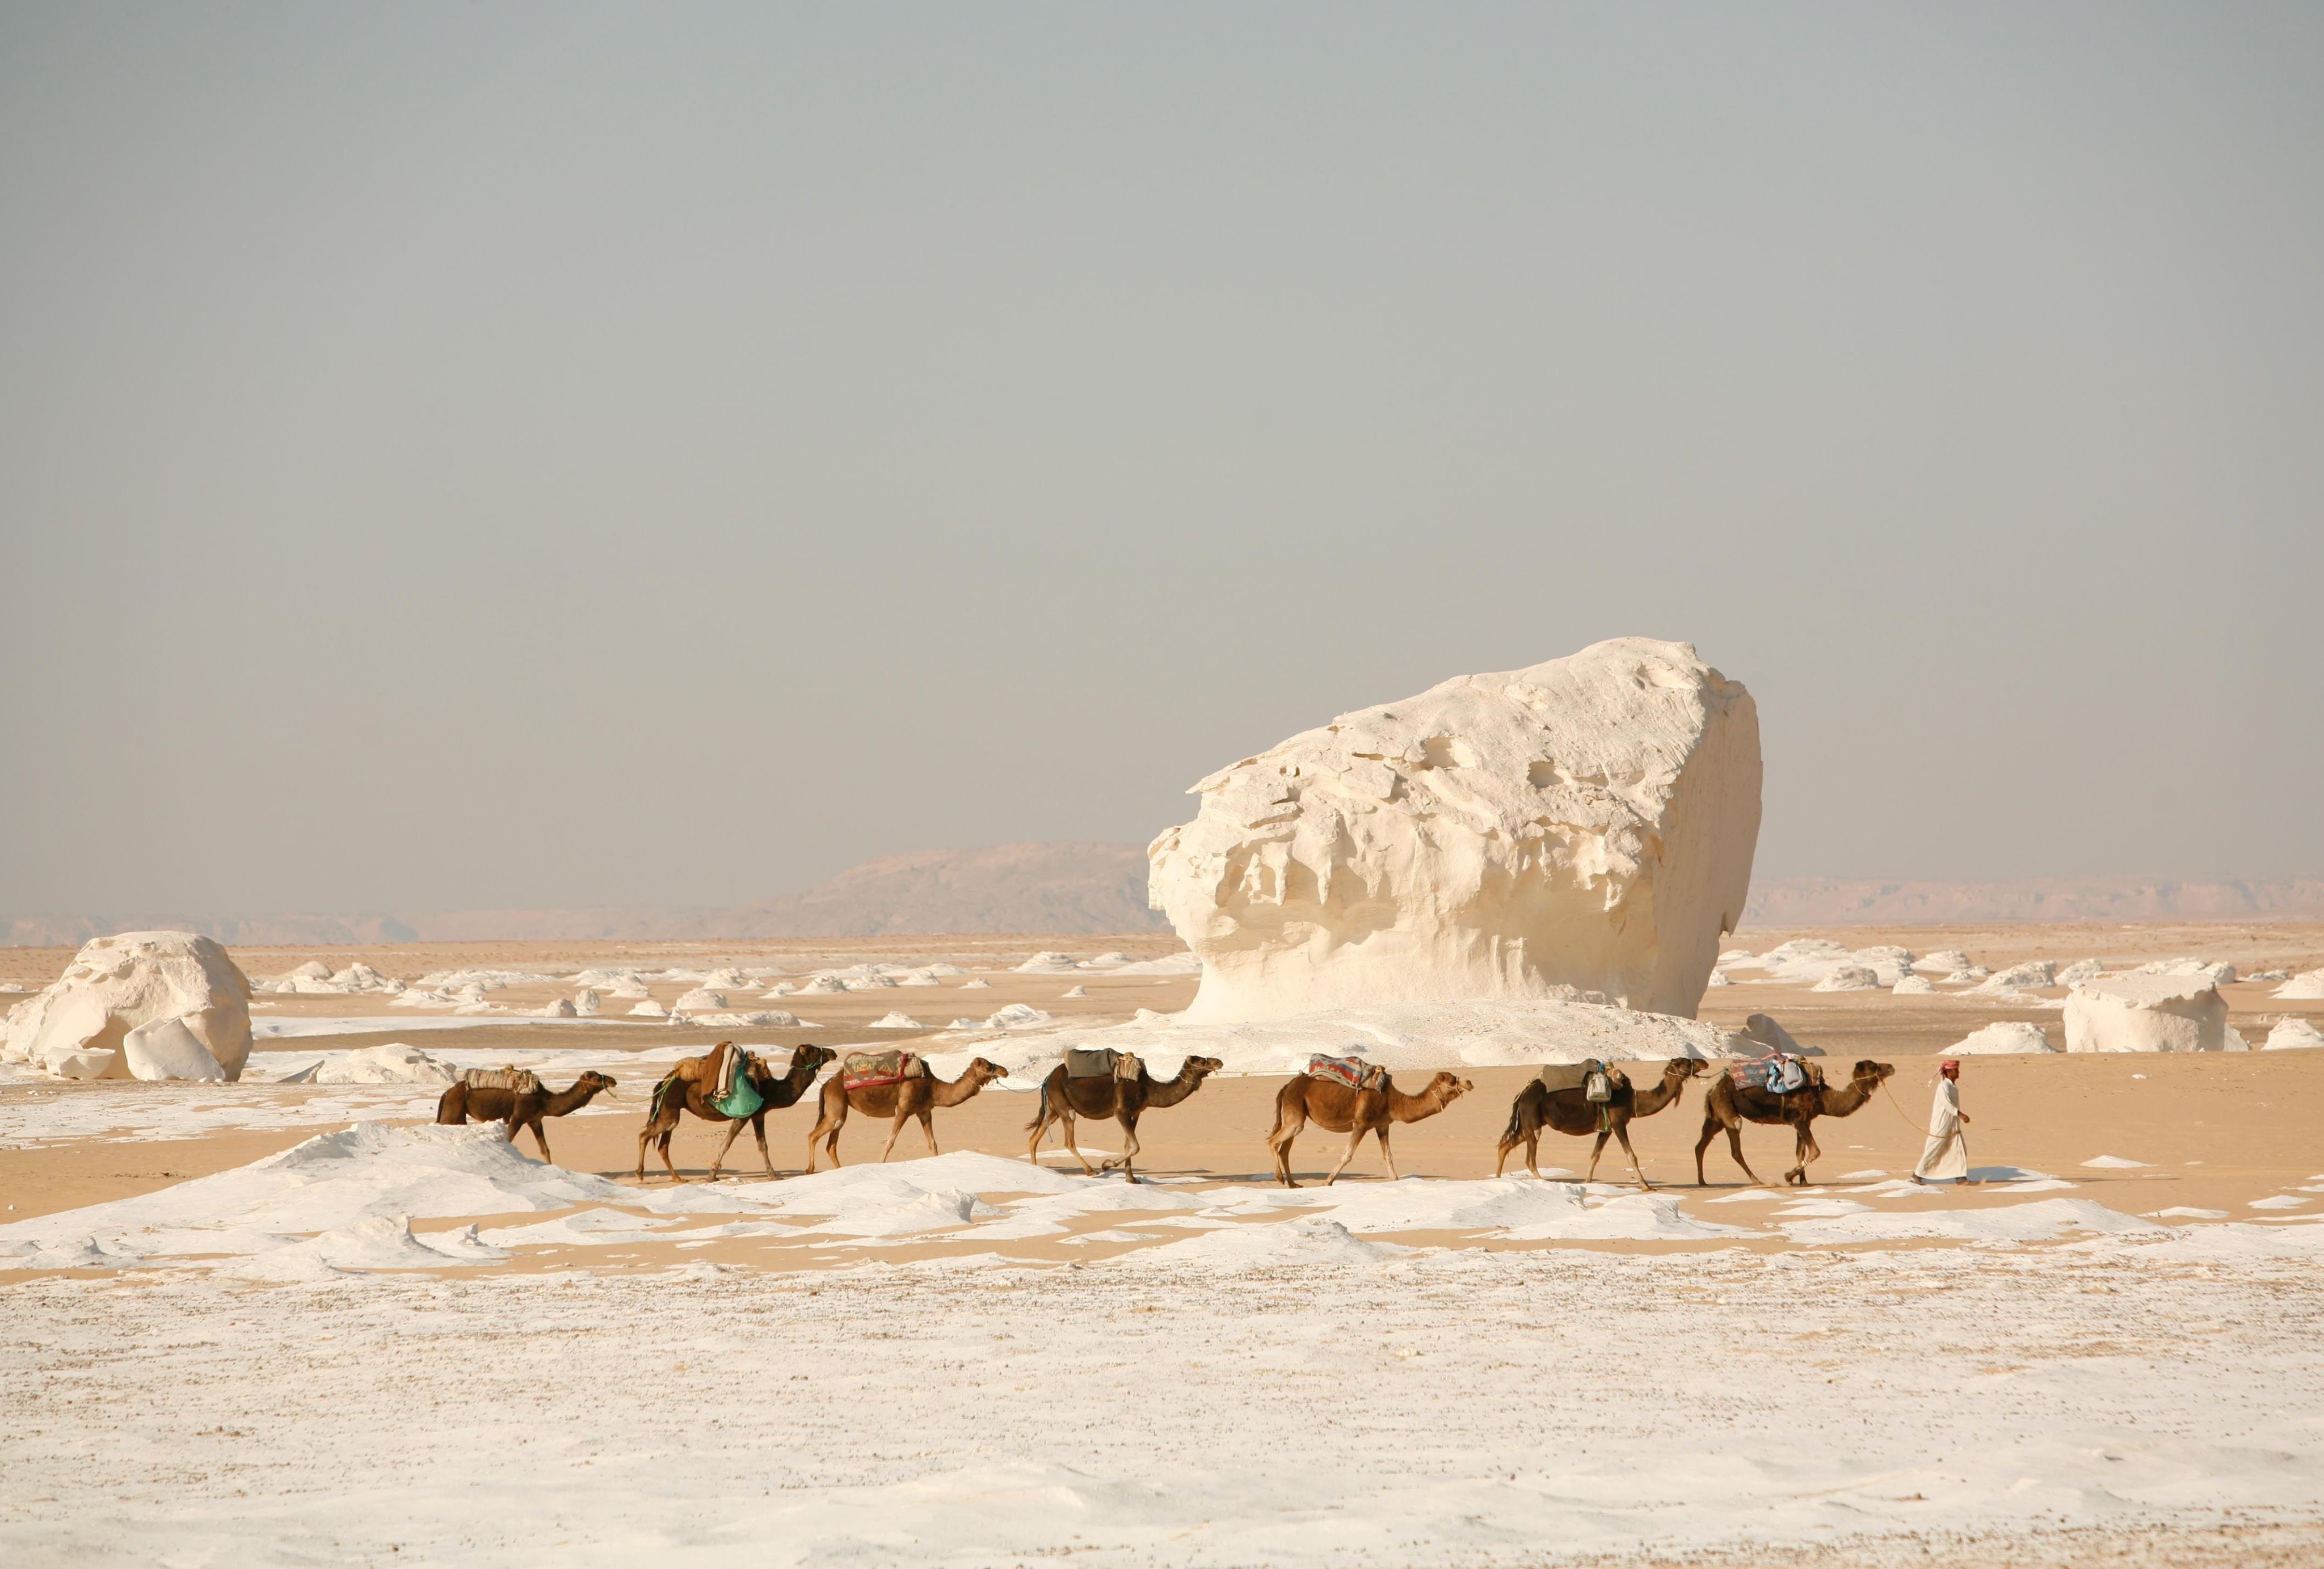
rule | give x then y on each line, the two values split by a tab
1945	1157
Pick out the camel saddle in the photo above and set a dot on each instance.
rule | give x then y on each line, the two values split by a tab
1351	1071
522	1080
865	1070
1594	1078
735	1087
1774	1075
1100	1062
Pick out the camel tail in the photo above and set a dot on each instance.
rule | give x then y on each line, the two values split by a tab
1515	1129
654	1107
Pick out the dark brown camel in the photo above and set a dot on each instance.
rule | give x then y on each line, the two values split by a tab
904	1100
687	1088
1537	1106
1724	1105
462	1103
1338	1109
1125	1100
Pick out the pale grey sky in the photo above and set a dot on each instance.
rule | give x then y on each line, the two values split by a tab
504	454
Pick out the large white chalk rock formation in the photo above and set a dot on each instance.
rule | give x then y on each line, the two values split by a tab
104	1017
2146	1013
1580	830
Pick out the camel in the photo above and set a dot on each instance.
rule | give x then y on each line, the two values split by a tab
1125	1100
903	1100
1537	1106
1725	1106
1338	1108
462	1103
684	1090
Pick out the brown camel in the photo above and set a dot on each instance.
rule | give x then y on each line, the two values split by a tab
464	1103
1726	1106
1537	1106
903	1100
687	1089
1125	1100
1338	1108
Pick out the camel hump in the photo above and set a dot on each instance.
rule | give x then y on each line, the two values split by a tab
1354	1071
521	1081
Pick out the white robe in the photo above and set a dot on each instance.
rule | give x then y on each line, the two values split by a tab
1945	1155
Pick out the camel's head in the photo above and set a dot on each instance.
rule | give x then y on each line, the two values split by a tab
1200	1067
1685	1068
984	1070
813	1058
1870	1073
1448	1087
594	1081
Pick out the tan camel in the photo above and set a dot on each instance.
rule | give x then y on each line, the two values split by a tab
1537	1106
1125	1100
687	1087
1338	1108
1726	1106
464	1103
904	1100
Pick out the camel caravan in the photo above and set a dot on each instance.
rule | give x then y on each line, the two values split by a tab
733	1086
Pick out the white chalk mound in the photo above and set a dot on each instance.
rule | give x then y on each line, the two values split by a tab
2307	986
2012	1039
119	983
1580	830
2146	1013
392	1064
2293	1034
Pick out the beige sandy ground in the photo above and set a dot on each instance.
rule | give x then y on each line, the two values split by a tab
2214	1133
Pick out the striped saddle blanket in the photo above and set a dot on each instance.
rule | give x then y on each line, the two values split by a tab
1351	1071
522	1080
1773	1075
865	1070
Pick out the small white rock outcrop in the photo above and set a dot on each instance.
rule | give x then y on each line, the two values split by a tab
1582	828
79	1026
2144	1012
2293	1034
2306	986
2007	1039
392	1064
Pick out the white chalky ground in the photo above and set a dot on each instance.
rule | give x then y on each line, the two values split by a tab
1267	1378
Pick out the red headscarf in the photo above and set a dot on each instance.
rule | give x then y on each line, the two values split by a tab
1950	1064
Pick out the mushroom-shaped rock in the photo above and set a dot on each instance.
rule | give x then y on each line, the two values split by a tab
116	984
2143	1012
1582	828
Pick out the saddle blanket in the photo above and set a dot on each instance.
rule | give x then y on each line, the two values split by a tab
1559	1076
522	1080
737	1094
1100	1062
866	1070
1773	1075
1351	1071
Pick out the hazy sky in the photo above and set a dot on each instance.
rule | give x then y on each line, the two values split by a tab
544	454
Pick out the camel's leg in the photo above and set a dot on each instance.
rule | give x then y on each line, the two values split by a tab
894	1129
1040	1127
653	1125
541	1137
1622	1132
1595	1152
1129	1149
1735	1148
928	1129
759	1130
1388	1155
664	1147
1804	1153
829	1119
1355	1139
734	1127
1066	1123
1290	1122
1709	1131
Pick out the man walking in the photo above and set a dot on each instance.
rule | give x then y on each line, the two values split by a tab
1945	1157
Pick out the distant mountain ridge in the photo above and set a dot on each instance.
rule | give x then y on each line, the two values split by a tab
1064	887
1076	888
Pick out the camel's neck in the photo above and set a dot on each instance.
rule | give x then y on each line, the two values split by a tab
1170	1092
1403	1108
957	1091
1840	1102
571	1099
1649	1101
